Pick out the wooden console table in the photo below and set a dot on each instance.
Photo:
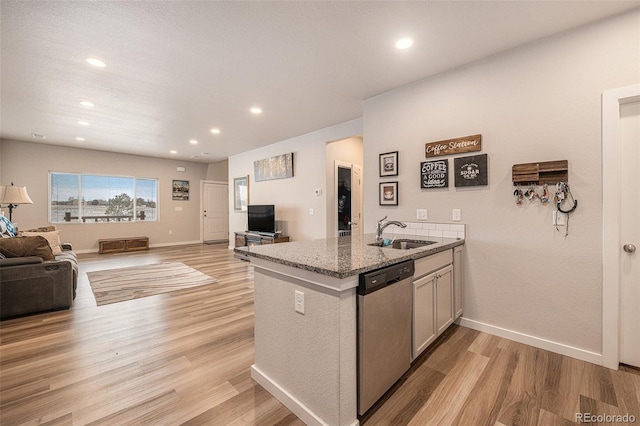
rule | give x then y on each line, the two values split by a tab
244	239
115	245
250	239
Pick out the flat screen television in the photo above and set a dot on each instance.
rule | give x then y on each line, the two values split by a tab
261	218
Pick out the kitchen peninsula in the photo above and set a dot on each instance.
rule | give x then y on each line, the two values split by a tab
305	319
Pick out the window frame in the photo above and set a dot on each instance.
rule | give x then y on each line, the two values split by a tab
80	195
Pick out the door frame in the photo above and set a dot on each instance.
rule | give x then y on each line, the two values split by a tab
611	211
202	182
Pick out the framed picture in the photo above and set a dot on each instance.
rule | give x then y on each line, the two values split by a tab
388	193
471	171
389	164
277	167
180	190
241	193
434	174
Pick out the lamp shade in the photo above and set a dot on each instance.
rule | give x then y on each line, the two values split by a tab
10	194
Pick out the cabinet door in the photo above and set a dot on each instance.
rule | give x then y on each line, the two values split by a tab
444	298
424	326
457	281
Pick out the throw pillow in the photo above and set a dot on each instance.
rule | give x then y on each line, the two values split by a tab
26	246
53	237
41	229
10	228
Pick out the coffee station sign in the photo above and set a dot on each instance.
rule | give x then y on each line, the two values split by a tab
453	146
434	174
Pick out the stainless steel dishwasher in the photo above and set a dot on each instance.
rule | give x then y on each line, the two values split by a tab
384	330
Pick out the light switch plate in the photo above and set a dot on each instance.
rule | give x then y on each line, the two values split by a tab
457	215
422	214
558	219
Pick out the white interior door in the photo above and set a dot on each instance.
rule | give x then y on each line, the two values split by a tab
215	219
630	234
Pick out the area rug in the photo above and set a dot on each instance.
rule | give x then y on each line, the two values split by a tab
118	285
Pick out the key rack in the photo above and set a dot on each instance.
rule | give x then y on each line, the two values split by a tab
549	172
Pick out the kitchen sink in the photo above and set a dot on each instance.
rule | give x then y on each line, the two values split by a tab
403	244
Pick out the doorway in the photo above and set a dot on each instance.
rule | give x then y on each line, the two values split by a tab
348	190
215	211
621	232
344	182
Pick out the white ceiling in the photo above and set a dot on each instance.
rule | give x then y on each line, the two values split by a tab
175	69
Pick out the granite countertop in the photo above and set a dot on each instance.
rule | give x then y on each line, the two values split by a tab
343	257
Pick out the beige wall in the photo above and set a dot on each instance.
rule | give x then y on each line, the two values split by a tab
218	172
537	103
292	197
29	164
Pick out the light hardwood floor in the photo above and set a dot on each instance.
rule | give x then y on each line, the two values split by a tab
184	358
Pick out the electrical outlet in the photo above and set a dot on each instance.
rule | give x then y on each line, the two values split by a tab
312	212
457	215
422	214
170	232
299	302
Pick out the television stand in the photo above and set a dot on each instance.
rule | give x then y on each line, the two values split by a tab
246	238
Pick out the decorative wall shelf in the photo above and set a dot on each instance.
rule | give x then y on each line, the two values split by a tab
549	172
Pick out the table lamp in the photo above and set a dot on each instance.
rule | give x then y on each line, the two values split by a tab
13	196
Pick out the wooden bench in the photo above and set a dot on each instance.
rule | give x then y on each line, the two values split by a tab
115	245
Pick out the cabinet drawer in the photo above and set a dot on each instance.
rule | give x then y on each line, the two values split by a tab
433	262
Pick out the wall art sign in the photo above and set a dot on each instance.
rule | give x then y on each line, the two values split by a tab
453	146
434	174
278	167
180	190
388	194
241	193
389	164
471	171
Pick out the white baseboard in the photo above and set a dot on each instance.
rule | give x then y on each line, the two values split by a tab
537	342
177	243
291	402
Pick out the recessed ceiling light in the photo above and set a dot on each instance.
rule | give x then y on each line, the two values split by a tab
193	142
96	62
80	139
256	110
404	43
37	136
83	123
173	152
87	104
215	131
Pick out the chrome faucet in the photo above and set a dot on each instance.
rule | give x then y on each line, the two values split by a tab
382	226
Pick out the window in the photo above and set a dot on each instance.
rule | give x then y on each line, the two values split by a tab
76	198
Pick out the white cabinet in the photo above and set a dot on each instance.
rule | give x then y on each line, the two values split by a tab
458	300
424	321
444	298
433	294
